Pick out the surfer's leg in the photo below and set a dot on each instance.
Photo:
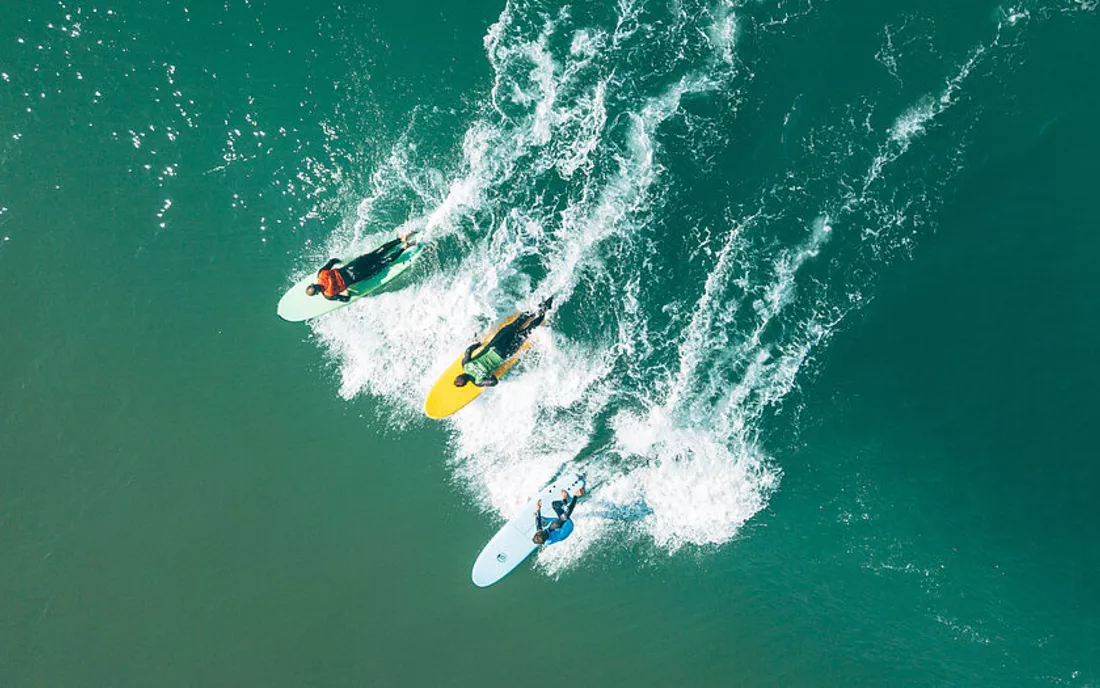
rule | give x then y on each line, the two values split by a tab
386	248
368	265
569	509
390	251
533	323
508	339
517	334
361	268
559	507
536	318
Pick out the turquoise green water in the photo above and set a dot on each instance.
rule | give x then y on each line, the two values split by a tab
824	341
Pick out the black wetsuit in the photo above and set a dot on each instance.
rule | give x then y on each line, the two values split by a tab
507	341
368	265
511	337
563	510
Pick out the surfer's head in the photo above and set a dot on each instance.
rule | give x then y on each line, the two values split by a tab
461	380
540	537
312	289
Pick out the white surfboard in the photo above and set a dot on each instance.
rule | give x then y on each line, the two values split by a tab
512	543
297	306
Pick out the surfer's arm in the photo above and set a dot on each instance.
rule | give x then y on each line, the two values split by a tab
469	351
328	265
490	381
339	297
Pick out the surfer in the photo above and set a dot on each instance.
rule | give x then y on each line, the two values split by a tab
504	344
332	282
547	531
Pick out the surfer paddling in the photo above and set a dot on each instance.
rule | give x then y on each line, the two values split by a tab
333	282
550	531
479	368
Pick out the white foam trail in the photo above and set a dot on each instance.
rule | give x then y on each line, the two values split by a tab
723	33
915	121
549	116
737	362
625	195
706	476
697	337
700	486
559	183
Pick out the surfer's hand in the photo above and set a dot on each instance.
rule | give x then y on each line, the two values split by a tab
538	505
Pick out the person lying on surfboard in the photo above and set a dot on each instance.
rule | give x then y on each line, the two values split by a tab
504	344
333	282
549	532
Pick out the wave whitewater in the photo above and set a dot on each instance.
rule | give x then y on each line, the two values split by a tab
662	391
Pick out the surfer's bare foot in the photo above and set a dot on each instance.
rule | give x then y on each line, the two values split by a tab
564	494
580	492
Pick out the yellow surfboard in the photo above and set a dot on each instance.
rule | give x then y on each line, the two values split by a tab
444	398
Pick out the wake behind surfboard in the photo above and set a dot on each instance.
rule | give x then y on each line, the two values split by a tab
513	544
296	305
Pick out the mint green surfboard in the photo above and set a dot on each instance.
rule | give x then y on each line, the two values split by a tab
297	306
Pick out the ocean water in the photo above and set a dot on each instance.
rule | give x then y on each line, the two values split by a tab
823	343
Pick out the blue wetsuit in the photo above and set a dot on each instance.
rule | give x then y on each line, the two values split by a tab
555	529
